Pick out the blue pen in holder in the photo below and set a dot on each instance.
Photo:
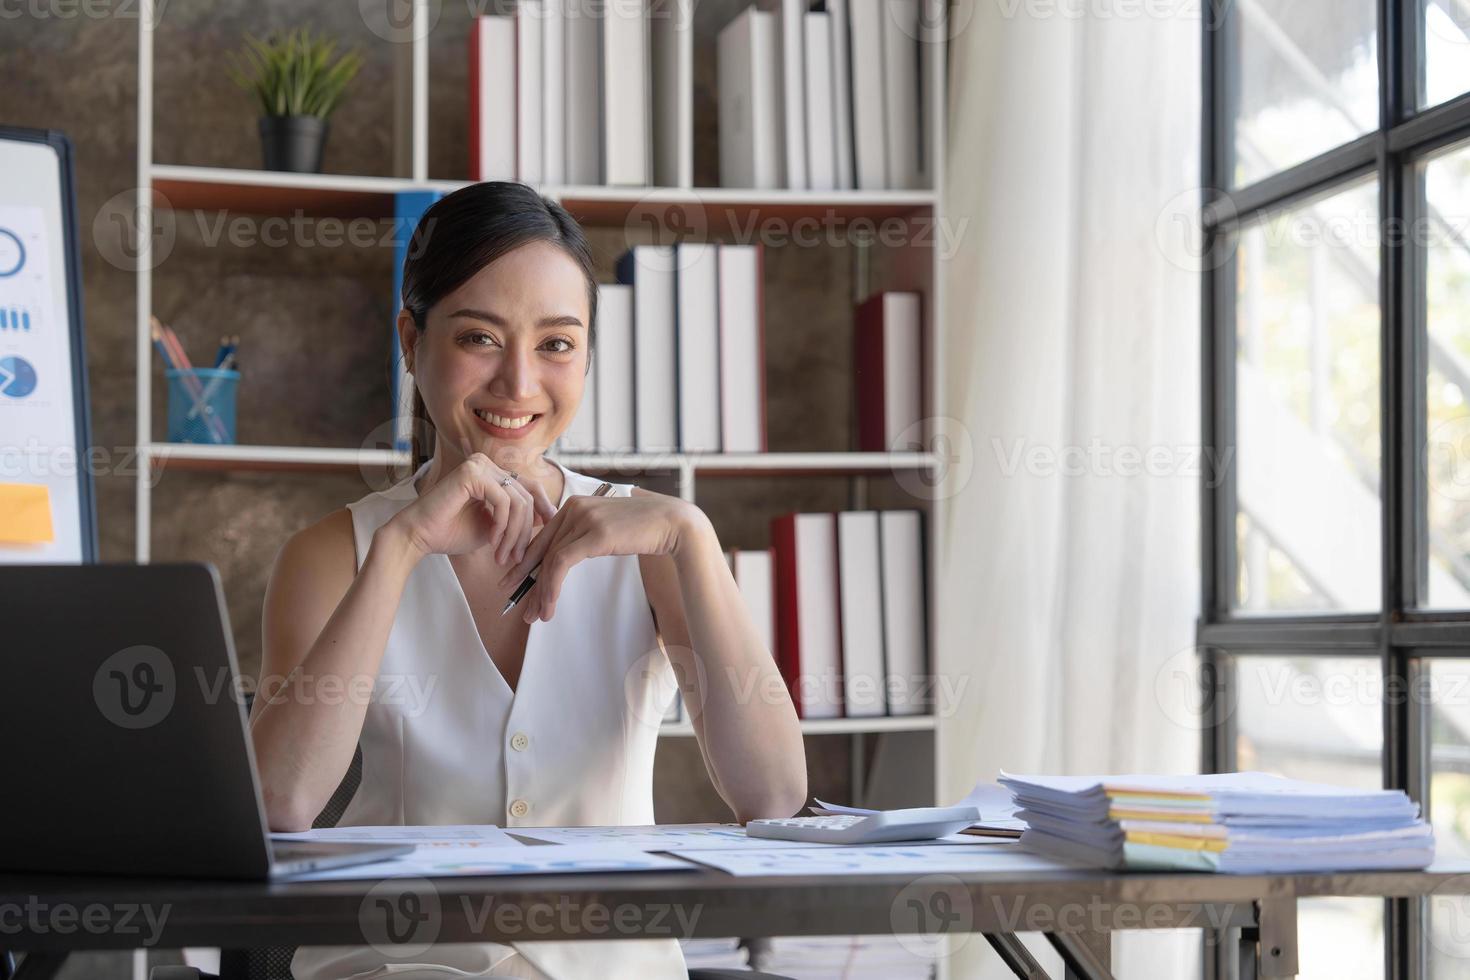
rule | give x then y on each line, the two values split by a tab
201	405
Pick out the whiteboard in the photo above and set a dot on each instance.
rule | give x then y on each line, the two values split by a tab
44	419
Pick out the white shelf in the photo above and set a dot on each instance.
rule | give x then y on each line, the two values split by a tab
207	457
831	726
204	456
736	462
164	172
264	191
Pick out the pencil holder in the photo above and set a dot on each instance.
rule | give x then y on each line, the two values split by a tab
201	405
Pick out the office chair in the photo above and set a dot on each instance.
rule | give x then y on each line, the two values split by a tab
274	962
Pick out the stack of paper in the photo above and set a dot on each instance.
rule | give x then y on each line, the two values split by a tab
1237	823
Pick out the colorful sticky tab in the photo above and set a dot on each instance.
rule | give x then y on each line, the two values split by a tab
25	513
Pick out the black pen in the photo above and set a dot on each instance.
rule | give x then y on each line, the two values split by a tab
602	491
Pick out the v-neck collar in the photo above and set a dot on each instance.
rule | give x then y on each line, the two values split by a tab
457	588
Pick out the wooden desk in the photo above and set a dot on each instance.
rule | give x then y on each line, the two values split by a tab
49	916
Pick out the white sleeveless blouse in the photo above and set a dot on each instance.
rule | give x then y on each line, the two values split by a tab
446	741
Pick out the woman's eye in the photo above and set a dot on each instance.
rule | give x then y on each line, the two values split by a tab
561	340
475	338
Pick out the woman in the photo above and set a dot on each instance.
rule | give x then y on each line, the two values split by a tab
549	714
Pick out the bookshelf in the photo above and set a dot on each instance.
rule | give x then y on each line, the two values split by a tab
913	265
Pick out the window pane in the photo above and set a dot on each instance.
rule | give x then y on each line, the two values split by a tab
1307	72
1447	459
1448	700
1446	49
1319	718
1306	416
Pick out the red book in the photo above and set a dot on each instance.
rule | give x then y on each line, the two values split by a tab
888	373
808	626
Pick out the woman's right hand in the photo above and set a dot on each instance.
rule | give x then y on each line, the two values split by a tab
469	509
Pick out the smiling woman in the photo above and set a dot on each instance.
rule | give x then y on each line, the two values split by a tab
535	719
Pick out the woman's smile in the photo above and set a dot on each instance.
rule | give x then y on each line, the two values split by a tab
517	427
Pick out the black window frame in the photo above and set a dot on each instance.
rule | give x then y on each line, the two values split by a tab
1401	635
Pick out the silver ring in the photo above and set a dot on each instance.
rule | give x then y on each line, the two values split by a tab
508	481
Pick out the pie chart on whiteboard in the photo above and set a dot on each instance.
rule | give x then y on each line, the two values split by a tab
17	377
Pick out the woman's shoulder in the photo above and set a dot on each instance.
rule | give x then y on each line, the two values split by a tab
323	547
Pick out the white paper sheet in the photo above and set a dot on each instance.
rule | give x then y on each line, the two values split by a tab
885	859
448	835
516	859
664	837
703	837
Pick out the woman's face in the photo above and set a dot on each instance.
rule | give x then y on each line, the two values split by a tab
502	362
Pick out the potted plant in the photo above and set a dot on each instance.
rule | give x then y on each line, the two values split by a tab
297	79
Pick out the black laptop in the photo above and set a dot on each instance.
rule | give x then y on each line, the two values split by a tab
127	749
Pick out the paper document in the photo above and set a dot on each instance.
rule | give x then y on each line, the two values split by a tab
448	835
665	837
880	859
699	836
516	859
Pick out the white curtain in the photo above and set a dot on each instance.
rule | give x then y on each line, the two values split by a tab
1070	577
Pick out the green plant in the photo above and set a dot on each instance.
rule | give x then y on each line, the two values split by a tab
294	74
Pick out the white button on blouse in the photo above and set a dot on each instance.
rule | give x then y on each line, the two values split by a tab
594	687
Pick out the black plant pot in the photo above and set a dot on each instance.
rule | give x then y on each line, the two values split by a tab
293	143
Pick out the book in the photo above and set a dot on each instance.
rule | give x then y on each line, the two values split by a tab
626	108
792	48
821	140
529	18
649	269
901	91
553	92
751	140
808	626
697	286
859	566
582	37
869	96
408	210
905	630
613	365
492	98
742	357
671	37
888	365
841	94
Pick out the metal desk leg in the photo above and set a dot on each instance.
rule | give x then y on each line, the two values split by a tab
40	966
1086	955
1014	954
1276	948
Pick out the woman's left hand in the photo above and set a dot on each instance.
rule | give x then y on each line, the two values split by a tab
590	527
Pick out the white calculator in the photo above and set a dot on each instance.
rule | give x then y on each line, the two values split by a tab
918	823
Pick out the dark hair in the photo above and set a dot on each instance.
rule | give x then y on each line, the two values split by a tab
465	231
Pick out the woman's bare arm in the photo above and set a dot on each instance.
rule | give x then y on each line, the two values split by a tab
325	629
737	702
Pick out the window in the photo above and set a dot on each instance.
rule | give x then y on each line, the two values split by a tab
1337	375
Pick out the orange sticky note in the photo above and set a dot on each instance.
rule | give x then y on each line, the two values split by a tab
25	513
